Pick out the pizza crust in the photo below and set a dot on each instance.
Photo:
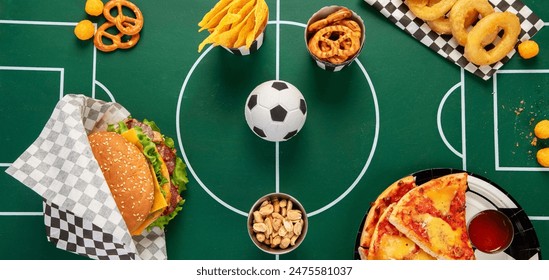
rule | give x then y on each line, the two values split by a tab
390	244
392	194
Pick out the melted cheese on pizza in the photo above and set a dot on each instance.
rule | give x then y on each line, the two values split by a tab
400	248
441	235
391	195
442	197
433	216
390	244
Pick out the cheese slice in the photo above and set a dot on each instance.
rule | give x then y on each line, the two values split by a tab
440	233
160	202
131	135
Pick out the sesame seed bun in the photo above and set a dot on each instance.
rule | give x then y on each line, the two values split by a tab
128	175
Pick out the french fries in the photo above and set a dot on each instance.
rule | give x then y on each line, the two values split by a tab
234	23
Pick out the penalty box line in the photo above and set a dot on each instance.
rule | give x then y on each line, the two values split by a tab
65	24
497	164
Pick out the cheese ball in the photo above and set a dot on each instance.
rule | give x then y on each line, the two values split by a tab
542	129
94	7
528	49
543	157
84	30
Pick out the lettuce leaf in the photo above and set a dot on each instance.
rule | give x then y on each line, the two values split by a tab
179	176
162	221
150	152
169	142
121	128
152	124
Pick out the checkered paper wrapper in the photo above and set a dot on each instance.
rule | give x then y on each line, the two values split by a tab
397	12
80	213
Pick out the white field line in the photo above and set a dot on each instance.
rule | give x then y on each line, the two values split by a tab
498	167
69	24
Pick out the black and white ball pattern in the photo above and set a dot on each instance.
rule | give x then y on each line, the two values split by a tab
275	110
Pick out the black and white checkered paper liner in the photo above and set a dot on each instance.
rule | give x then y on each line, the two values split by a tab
80	213
446	46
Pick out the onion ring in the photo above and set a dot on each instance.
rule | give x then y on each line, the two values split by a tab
474	48
442	25
460	11
422	10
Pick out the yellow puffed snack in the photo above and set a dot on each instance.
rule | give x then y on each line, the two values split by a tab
94	7
84	30
543	157
542	129
528	49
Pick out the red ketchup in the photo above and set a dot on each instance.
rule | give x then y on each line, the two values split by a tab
491	231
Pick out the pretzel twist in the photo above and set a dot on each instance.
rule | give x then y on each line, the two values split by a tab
118	40
126	24
340	14
128	27
335	42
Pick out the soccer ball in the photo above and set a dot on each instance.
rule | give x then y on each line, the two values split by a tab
275	110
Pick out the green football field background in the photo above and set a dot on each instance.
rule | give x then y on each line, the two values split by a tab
391	113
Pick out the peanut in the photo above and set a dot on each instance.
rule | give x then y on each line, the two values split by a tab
277	224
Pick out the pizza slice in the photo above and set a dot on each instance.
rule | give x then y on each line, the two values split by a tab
432	215
390	244
389	196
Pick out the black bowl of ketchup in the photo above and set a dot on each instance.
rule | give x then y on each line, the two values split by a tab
491	231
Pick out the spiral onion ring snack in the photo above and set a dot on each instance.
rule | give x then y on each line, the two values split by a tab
459	13
422	10
474	49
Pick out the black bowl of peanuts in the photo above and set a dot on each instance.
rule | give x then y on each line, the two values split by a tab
277	223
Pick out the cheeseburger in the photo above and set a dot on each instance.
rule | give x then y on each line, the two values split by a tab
143	172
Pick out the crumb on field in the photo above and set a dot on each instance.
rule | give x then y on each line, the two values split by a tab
519	111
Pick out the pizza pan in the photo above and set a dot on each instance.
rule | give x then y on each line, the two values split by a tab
484	194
